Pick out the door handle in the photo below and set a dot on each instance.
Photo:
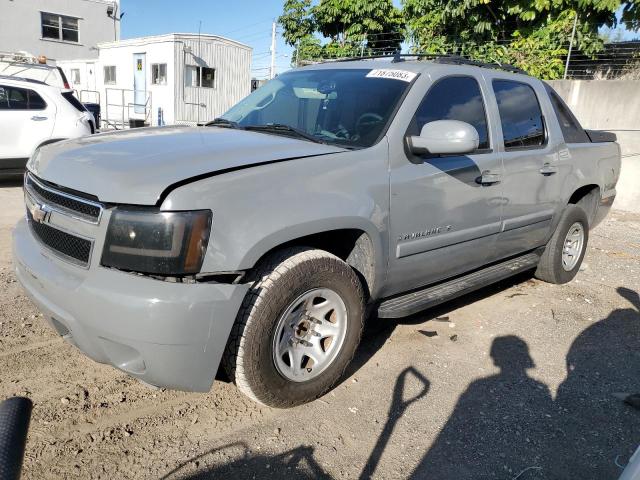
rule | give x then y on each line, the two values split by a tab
36	118
487	178
547	170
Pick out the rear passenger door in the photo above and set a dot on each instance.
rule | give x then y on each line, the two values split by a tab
25	121
444	220
532	169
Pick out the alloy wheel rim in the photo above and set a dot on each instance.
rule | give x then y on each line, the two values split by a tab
309	334
572	247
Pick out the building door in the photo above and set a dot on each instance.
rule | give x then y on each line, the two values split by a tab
139	82
91	76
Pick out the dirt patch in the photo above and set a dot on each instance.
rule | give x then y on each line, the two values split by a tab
515	378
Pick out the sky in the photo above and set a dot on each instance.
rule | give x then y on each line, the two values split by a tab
247	21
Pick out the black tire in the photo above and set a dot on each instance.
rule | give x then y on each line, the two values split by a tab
550	269
278	281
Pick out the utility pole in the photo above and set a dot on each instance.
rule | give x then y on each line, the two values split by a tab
272	70
362	45
573	34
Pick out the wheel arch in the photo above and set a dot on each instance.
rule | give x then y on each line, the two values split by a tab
587	197
358	245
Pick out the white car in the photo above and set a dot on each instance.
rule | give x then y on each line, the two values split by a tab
33	114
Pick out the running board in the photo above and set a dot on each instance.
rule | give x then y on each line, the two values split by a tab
413	302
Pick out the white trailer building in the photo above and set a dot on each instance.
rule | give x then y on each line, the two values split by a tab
171	79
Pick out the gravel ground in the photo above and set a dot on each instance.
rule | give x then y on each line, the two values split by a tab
516	379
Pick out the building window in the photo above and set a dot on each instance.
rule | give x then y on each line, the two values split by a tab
75	75
200	76
159	73
208	75
110	75
59	27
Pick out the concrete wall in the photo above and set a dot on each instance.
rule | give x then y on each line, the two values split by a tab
612	105
21	28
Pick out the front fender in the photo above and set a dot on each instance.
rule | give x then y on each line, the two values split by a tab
261	207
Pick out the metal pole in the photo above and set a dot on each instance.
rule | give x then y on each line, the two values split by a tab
573	34
272	70
362	45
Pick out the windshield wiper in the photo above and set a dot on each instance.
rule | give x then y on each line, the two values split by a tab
281	128
223	122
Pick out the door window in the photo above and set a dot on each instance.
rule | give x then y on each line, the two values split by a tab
520	115
454	98
571	129
110	75
75	75
12	98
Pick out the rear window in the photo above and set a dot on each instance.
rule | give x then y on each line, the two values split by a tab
571	129
70	97
520	115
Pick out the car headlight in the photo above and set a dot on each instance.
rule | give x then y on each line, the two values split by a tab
161	243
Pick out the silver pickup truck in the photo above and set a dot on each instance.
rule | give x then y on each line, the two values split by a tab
336	192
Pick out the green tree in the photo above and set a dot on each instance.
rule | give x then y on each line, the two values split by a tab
341	28
531	34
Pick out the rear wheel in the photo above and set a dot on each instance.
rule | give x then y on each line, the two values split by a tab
298	328
563	254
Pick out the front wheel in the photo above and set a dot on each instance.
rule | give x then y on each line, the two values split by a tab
563	254
298	328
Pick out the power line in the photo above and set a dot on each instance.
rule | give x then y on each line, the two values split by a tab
248	26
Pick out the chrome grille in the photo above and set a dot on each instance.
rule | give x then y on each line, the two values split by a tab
70	247
73	205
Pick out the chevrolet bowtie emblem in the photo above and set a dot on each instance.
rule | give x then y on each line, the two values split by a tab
39	213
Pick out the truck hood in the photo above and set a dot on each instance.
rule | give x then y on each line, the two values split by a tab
136	166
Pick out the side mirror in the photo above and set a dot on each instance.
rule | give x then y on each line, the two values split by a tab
445	137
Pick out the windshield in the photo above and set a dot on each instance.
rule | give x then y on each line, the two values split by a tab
346	107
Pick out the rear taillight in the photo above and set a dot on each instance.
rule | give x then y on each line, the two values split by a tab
66	85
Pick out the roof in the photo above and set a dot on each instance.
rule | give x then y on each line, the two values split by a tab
22	79
415	65
170	37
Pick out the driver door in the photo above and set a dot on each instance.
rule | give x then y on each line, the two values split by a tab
444	219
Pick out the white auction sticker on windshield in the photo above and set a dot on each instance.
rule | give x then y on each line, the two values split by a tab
393	74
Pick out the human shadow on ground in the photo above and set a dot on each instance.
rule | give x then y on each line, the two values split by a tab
594	430
499	424
507	425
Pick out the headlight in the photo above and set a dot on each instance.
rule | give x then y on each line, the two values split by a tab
162	243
